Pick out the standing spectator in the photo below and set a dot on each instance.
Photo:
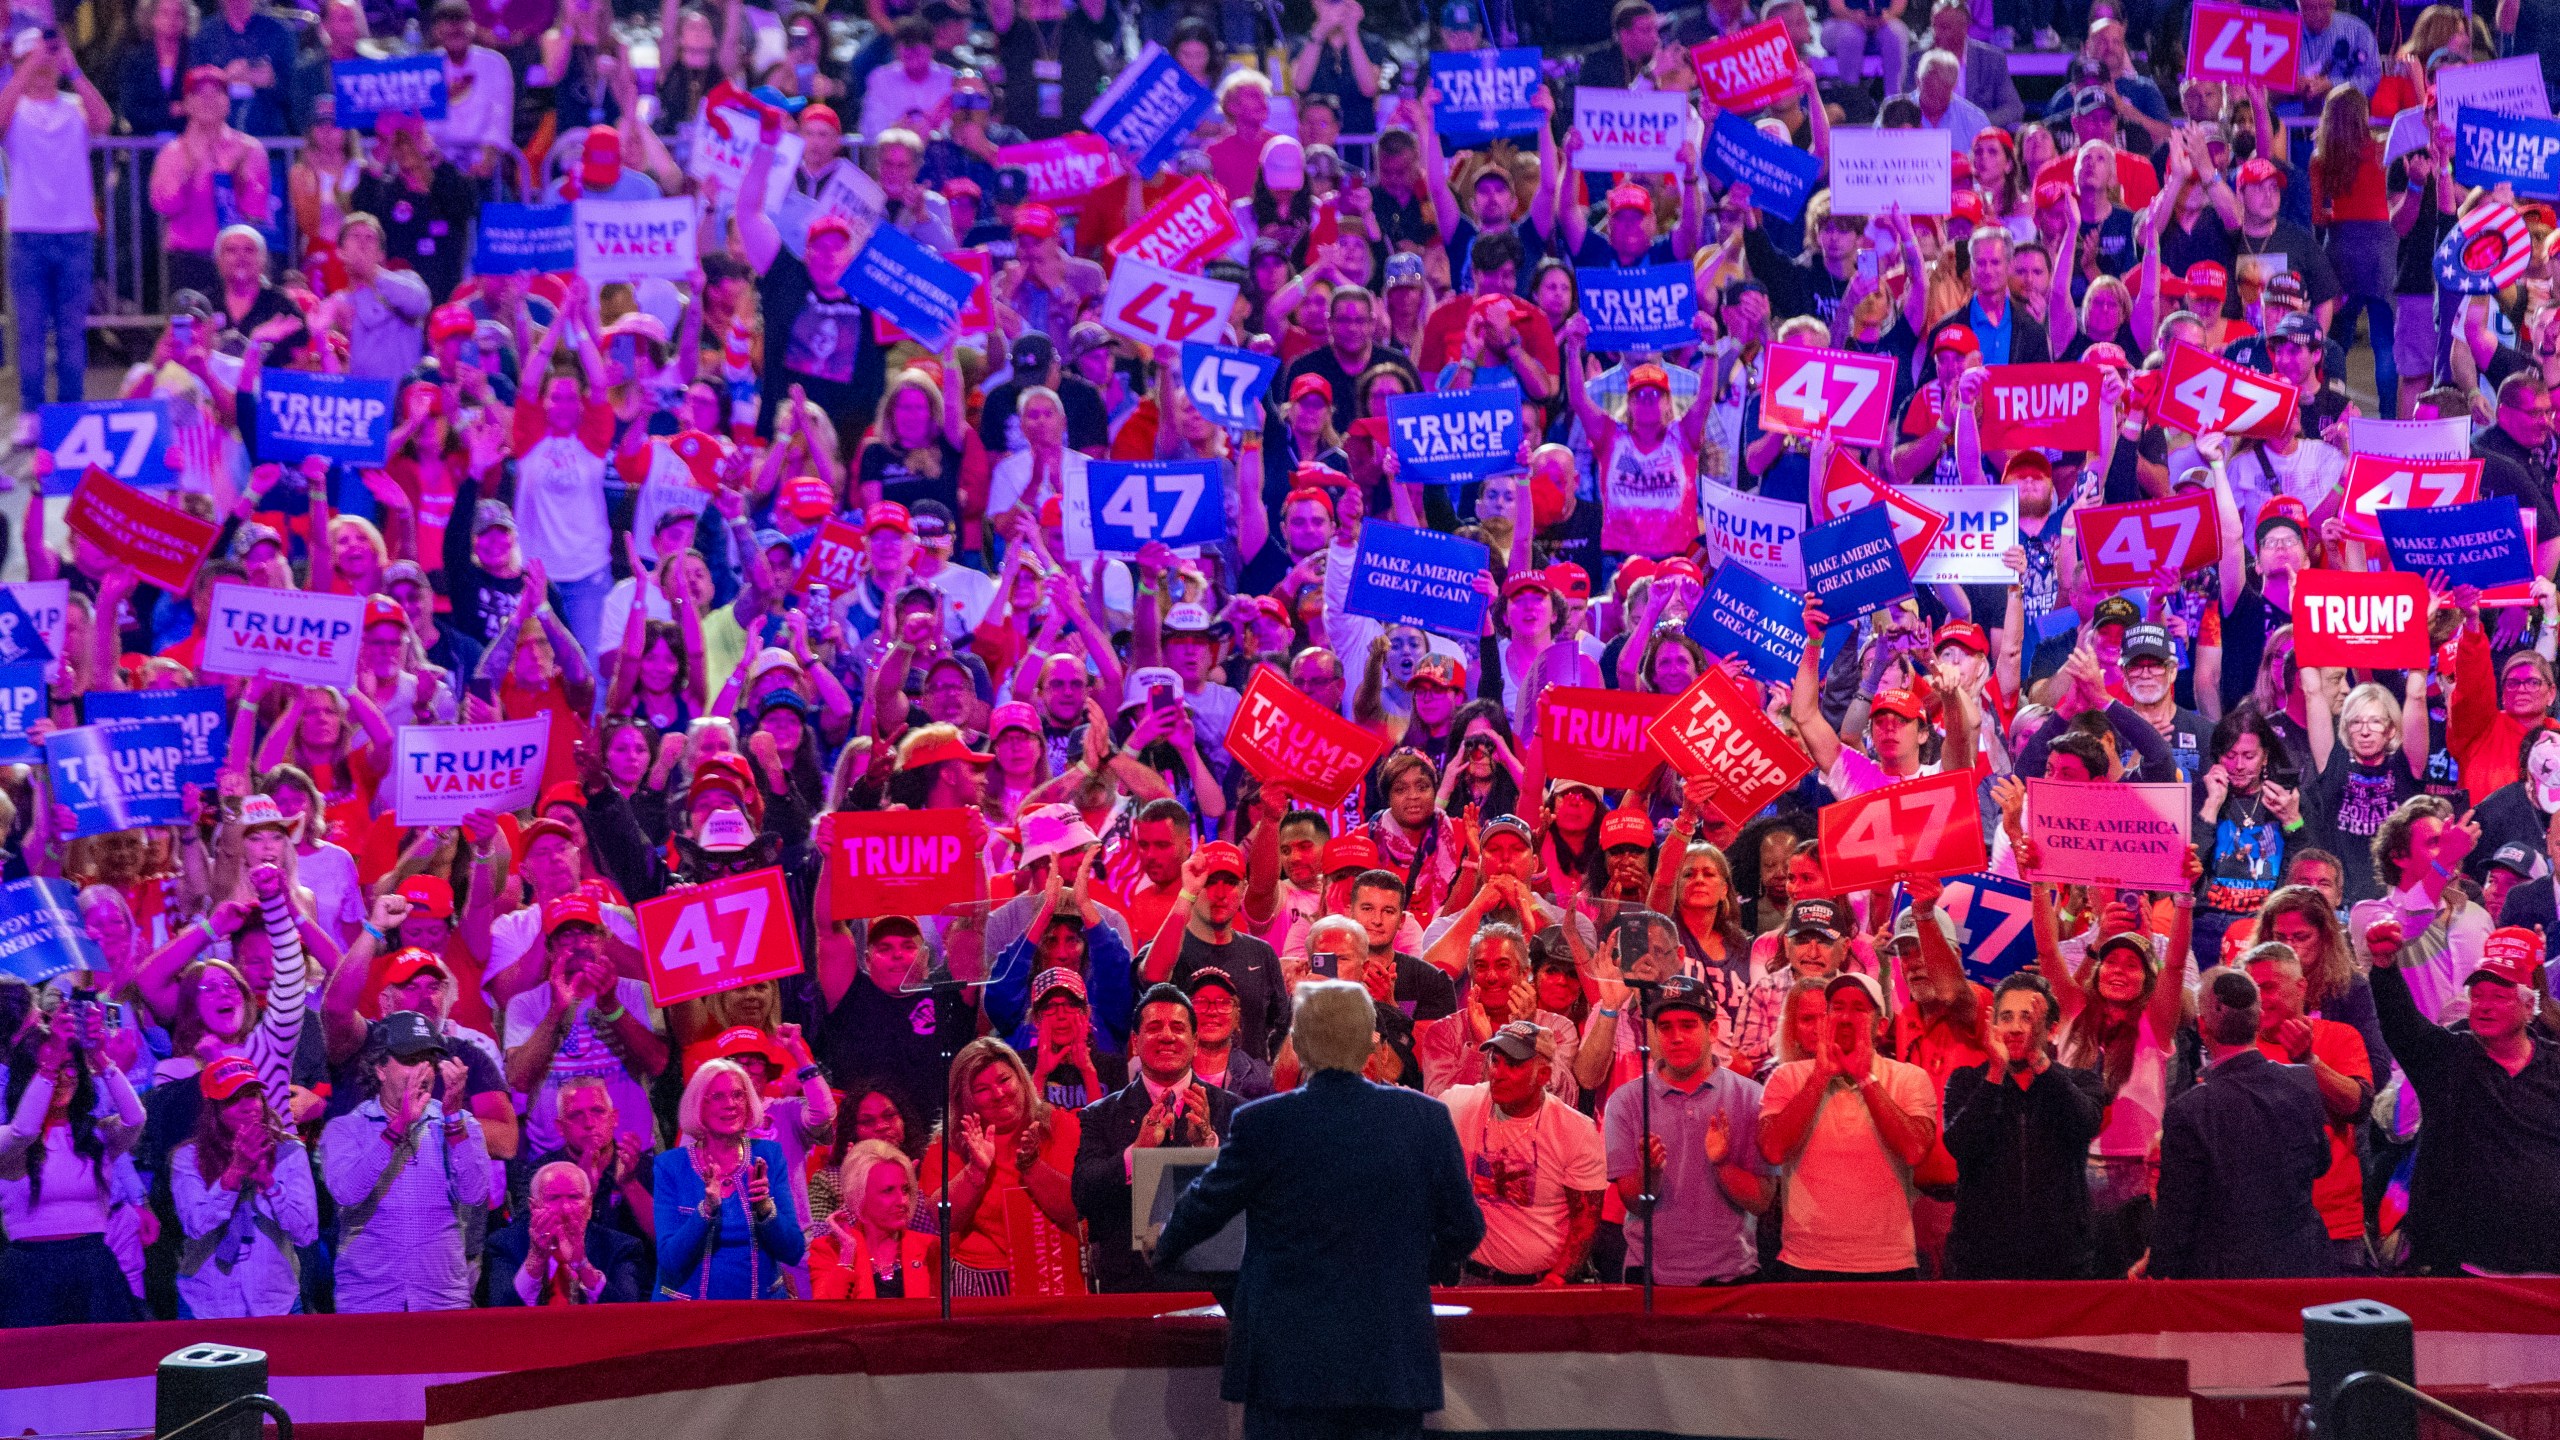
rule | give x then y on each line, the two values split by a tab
1354	1196
818	340
210	174
1338	62
2019	1127
478	127
2239	1155
618	1165
382	312
1051	51
253	54
1858	28
1215	1058
70	1117
1499	993
2351	206
1536	1164
729	1220
2338	56
1709	1177
1213	879
914	93
564	1029
48	111
244	1196
2335	1054
152	66
411	1180
2486	1192
1164	1104
1014	1149
425	205
1985	70
1850	1125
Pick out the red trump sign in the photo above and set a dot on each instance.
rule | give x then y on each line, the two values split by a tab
902	862
1283	738
2352	617
1712	731
1597	736
2054	406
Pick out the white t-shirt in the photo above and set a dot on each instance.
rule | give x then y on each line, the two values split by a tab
480	102
1521	1170
1009	484
890	96
560	511
583	1051
1848	1196
329	873
48	150
512	934
617	611
971	593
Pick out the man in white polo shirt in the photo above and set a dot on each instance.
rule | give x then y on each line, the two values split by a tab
1852	1125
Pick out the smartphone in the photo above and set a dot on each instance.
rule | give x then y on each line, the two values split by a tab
1635	942
1324	965
1160	697
624	348
182	329
1867	266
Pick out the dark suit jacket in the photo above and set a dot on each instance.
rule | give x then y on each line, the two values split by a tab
1352	1194
1102	1194
609	1250
2238	1155
1987	83
2028	344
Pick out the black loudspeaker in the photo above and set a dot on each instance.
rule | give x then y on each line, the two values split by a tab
2339	1340
199	1378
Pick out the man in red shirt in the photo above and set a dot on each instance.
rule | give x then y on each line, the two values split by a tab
2336	1054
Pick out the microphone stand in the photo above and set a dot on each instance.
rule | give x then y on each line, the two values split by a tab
1644	991
947	998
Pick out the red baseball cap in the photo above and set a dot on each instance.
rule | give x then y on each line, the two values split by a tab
1569	580
2258	168
428	895
739	1041
823	112
2026	462
409	963
1527	580
1310	384
2206	277
562	792
887	515
451	322
1349	852
572	909
1035	220
383	610
1639	567
1630	197
1897	702
2109	354
1446	671
1680	567
809	497
2052	193
2508	956
1964	633
1959	338
1625	827
228	1075
1218	857
1648	377
600	161
1965	205
831	224
941	748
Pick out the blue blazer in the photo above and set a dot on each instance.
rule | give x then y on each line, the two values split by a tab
2238	1155
1353	1194
735	1259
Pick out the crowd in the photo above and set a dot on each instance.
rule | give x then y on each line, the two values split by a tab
331	1062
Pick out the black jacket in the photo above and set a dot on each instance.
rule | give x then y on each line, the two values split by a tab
609	1250
1102	1194
2486	1188
1353	1195
2022	1192
2238	1155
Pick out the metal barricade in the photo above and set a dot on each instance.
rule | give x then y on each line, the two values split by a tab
133	278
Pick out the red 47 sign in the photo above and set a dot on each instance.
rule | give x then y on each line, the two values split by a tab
1928	826
2242	43
704	939
1815	392
2376	483
1156	306
1847	486
2129	545
2200	393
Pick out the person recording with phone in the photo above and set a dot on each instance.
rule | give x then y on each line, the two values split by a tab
70	1117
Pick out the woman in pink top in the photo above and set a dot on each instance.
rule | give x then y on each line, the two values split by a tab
70	1115
191	170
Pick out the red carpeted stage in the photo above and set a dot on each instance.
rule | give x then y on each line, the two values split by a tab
2141	1361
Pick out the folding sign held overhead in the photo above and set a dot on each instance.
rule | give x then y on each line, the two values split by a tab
1156	306
1834	392
2203	393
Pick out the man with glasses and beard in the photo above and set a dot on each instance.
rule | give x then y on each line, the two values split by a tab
2516	459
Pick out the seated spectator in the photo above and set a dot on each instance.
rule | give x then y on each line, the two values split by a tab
560	1252
618	1166
1215	1058
728	1223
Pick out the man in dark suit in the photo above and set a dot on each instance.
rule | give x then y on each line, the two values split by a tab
1986	67
1354	1196
2002	331
2239	1153
559	1253
1165	1105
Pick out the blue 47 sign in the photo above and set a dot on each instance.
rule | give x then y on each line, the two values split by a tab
129	439
1227	385
1994	918
1123	505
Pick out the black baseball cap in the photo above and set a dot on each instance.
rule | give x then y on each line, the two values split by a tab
1828	917
409	1036
2149	642
1683	992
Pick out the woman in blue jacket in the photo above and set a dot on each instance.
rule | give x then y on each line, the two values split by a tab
729	1224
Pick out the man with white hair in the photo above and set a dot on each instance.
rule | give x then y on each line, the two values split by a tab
1942	106
1354	1196
557	1253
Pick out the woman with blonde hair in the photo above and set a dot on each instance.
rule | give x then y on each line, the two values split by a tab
728	1220
1011	1149
2362	767
916	450
2405	84
867	1252
1698	896
322	184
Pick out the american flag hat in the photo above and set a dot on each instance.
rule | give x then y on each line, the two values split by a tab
2486	252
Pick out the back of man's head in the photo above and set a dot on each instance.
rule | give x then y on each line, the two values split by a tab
2227	1012
1334	1026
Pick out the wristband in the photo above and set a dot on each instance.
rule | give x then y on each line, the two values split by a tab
609	1019
207	927
375	931
1605	1010
806	1073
